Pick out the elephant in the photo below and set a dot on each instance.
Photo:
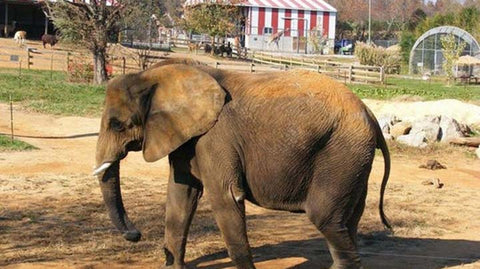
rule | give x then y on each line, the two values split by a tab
296	141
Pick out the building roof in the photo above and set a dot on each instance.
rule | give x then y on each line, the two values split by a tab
109	2
314	5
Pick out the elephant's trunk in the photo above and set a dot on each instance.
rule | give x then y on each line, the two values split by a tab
110	185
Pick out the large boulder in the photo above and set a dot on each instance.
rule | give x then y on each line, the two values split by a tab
418	140
430	126
450	129
399	129
409	111
386	122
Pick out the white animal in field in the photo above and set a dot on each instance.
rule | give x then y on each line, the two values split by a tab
20	37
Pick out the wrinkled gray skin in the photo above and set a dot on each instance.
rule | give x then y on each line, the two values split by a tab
293	141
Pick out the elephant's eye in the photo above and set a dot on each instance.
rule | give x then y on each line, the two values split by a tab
116	125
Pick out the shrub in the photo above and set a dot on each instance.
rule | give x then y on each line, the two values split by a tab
80	72
83	72
389	59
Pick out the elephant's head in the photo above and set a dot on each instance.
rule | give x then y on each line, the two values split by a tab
155	111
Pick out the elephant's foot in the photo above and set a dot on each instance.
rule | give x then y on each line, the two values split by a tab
346	266
178	266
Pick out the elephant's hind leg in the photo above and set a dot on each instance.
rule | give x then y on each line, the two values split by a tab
342	247
338	223
229	212
352	223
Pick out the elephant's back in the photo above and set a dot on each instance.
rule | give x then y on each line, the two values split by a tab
294	84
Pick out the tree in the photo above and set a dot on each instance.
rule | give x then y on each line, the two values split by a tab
443	7
468	19
452	49
89	25
416	18
355	11
407	40
215	18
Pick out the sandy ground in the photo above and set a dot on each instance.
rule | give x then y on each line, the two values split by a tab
52	216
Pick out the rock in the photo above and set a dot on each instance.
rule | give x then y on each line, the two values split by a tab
434	181
450	129
478	152
387	136
466	141
409	111
433	165
399	129
386	122
417	140
465	129
430	125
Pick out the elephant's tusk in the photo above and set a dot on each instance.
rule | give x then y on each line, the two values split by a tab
101	168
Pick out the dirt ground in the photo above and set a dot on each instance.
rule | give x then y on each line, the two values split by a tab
42	57
52	215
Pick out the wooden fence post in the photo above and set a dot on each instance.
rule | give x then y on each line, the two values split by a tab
350	74
51	66
29	57
318	68
382	75
11	117
68	61
123	65
252	67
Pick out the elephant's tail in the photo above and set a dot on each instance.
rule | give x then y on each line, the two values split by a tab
382	145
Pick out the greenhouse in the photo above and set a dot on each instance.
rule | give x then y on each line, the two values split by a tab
427	52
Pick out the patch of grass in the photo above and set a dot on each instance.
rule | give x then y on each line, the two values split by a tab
432	148
51	93
399	87
6	144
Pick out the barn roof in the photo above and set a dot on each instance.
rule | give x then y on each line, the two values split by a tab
109	2
315	5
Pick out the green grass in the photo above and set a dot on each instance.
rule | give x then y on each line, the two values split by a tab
6	144
36	90
433	90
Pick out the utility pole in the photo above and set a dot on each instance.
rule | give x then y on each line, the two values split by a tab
369	22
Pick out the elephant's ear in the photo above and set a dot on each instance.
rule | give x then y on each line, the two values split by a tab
185	103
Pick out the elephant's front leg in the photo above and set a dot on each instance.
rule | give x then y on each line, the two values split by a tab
183	193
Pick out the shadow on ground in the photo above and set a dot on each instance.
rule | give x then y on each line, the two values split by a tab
379	251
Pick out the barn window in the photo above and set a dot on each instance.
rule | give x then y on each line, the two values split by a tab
267	30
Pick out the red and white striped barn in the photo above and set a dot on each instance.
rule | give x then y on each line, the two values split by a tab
291	18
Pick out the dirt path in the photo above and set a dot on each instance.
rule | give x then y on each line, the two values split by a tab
51	213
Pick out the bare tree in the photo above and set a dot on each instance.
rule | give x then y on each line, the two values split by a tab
89	25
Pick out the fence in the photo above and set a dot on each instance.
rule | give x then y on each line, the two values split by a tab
34	58
122	62
119	62
345	72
